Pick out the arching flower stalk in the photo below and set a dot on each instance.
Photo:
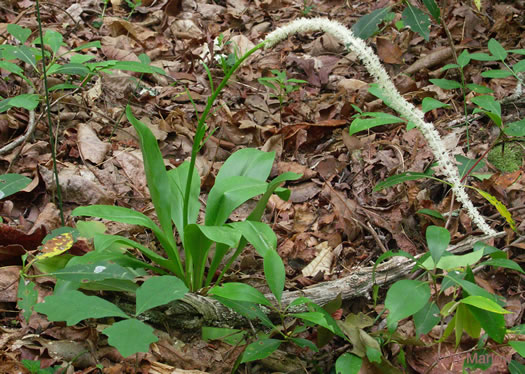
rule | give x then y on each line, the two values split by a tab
403	107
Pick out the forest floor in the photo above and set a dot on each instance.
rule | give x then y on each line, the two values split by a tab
333	207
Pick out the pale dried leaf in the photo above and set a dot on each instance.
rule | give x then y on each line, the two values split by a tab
321	263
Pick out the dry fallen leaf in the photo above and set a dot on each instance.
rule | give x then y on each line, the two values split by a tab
89	145
321	263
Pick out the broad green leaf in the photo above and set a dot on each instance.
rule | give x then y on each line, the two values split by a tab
19	33
373	354
117	213
4	106
492	323
502	209
74	306
519	67
157	177
228	194
12	183
519	347
83	273
27	297
248	162
103	242
379	119
258	234
465	164
405	298
515	128
489	250
517	51
258	211
514	366
88	229
70	69
12	68
378	92
130	336
274	273
260	349
484	303
80	59
469	287
304	343
403	177
178	178
367	25
451	261
446	84
54	40
137	67
503	263
494	117
479	88
300	301
159	187
348	363
113	285
464	58
159	290
426	318
434	10
438	239
431	213
496	73
417	20
429	104
497	49
488	103
466	322
218	256
25	54
230	336
240	292
197	242
26	101
320	317
450	66
483	57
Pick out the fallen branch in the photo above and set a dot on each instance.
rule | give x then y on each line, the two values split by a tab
195	311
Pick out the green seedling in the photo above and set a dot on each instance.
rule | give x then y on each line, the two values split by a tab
281	87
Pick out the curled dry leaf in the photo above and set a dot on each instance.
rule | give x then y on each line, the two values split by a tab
89	145
321	263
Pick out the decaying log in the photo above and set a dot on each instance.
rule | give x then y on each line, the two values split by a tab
195	311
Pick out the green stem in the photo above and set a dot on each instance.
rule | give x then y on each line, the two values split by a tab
48	112
201	127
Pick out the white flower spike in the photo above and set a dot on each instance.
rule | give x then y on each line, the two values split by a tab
403	107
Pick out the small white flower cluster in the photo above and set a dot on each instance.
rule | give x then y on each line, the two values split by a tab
403	107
